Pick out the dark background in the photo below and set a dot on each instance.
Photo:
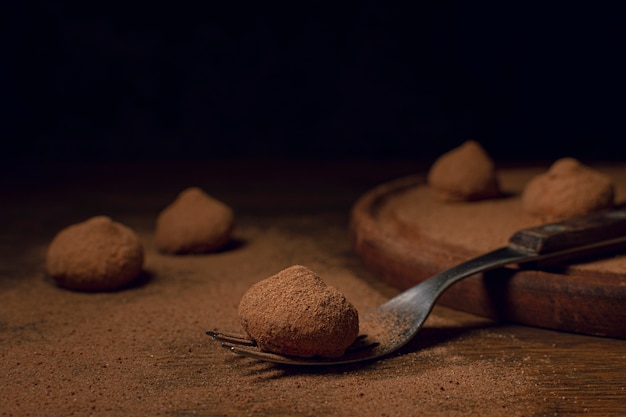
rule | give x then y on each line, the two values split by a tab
96	82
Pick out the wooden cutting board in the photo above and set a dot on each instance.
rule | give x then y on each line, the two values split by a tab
405	235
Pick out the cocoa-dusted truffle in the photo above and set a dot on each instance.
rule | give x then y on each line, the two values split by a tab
95	255
194	223
295	313
464	173
567	189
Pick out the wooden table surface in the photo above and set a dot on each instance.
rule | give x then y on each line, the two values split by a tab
483	367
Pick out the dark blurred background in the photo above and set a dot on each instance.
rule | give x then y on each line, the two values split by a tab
98	82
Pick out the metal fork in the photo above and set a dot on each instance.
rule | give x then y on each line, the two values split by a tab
392	325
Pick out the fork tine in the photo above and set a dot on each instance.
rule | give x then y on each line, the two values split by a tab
243	346
256	353
251	350
230	338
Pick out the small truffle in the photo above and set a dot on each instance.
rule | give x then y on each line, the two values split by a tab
295	313
194	223
95	255
465	173
567	189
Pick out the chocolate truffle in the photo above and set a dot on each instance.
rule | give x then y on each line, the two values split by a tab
95	255
464	173
567	189
194	223
295	313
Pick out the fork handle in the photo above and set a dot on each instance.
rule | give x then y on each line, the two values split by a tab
602	226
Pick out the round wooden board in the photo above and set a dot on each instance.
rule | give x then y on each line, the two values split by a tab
405	235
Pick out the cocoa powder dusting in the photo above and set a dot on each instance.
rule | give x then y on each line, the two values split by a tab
465	173
295	313
143	351
567	189
95	255
194	223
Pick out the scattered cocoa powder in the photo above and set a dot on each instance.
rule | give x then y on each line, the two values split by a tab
295	313
464	173
95	255
144	352
194	223
567	189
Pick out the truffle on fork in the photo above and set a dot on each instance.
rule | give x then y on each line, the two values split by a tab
392	325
